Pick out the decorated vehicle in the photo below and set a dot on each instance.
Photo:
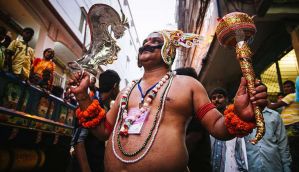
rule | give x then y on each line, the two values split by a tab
35	127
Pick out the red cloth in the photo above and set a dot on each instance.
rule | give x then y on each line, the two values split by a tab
204	109
36	61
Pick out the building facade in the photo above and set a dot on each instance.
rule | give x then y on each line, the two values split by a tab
277	33
62	25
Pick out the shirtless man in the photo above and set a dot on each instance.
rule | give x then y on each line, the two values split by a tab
165	151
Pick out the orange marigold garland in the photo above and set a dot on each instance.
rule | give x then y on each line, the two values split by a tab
235	125
92	116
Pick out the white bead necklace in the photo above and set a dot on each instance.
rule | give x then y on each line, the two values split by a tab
128	121
160	113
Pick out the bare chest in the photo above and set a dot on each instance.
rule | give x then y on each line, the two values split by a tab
177	100
152	149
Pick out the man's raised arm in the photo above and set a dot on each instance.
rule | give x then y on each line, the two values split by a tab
90	113
216	123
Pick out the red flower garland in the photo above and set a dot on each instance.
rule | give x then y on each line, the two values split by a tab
92	116
235	125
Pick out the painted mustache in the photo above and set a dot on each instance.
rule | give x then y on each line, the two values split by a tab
149	48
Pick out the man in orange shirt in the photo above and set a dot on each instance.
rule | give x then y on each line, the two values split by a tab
43	70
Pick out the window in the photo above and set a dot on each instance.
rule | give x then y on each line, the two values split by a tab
57	79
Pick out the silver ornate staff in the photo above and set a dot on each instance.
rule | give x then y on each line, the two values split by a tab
103	20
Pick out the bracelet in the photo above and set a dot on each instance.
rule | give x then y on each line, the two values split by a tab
92	116
235	125
204	109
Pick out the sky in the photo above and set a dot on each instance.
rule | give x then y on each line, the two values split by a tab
153	15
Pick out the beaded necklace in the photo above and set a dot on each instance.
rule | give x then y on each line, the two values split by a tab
143	107
153	131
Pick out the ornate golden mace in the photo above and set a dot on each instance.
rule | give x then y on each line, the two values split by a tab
236	29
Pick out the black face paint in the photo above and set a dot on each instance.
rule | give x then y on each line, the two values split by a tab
149	48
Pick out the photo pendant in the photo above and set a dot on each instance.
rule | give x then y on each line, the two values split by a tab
136	127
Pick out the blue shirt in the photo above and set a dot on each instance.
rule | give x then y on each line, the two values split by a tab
228	156
271	153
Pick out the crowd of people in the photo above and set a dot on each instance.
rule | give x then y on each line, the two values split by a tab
269	154
146	130
17	57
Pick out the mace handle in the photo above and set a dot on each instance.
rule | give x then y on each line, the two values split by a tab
244	56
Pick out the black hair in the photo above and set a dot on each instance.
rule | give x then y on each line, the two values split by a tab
52	56
219	90
188	71
280	94
3	31
7	41
29	30
289	82
107	80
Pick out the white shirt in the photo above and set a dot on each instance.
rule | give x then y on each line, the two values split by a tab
230	161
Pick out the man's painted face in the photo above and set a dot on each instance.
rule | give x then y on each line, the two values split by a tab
152	42
154	37
151	49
